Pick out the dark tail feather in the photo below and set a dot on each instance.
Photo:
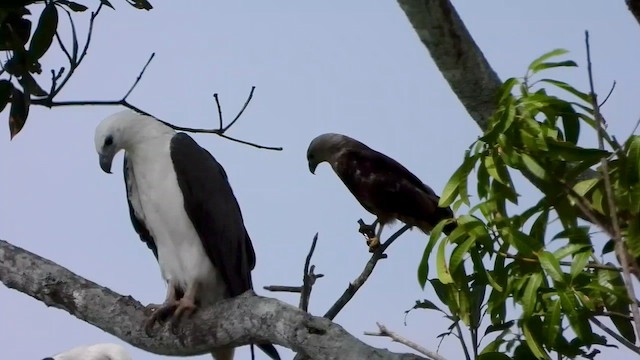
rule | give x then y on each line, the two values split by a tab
270	350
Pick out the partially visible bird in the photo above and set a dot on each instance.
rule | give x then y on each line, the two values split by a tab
182	206
104	351
383	186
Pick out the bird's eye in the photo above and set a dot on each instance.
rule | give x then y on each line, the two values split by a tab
108	140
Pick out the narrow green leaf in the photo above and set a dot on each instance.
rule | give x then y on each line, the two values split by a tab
534	168
44	33
532	342
499	327
530	297
552	322
493	356
457	257
535	64
564	86
551	266
583	187
549	65
74	6
633	159
452	189
425	304
569	249
571	125
107	3
423	268
579	261
441	264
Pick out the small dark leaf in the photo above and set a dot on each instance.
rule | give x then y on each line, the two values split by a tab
499	327
45	31
425	304
608	247
30	85
5	93
107	3
74	6
19	111
140	4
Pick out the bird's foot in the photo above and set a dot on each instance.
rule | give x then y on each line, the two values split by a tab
374	243
185	307
159	313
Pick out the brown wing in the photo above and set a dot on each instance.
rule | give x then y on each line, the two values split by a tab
388	190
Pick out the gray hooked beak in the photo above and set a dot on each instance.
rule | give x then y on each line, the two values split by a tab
312	167
105	163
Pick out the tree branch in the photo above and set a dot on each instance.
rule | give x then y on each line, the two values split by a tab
239	321
620	247
383	331
353	287
456	54
308	277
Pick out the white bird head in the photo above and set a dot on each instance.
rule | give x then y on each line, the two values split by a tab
124	130
325	147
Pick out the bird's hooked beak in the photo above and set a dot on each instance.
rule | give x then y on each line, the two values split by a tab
312	167
105	162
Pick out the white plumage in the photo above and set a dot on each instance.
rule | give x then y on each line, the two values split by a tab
94	352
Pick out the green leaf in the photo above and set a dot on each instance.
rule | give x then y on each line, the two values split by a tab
583	187
534	168
530	297
441	264
107	3
536	64
570	249
551	265
570	152
30	85
553	322
493	356
457	257
577	316
44	33
423	268
564	86
140	4
457	179
499	327
579	261
549	65
633	159
74	6
5	93
425	304
529	331
571	124
19	112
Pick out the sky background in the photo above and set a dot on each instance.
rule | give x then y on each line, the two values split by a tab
353	67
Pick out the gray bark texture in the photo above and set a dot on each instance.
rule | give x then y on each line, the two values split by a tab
240	321
456	54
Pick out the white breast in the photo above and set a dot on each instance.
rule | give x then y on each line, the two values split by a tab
181	256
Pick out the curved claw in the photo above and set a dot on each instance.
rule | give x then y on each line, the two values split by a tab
158	313
184	308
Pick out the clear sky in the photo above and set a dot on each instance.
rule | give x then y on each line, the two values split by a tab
353	67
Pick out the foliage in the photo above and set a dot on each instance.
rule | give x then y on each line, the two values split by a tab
557	280
25	49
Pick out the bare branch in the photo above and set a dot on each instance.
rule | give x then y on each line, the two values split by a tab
283	288
620	247
615	335
383	331
135	83
353	287
245	319
613	87
308	277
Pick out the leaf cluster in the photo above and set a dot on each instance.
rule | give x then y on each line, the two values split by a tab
497	254
25	45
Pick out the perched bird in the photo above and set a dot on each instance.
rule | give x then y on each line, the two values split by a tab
93	352
382	186
182	206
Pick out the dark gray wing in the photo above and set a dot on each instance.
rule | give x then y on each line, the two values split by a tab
214	211
132	194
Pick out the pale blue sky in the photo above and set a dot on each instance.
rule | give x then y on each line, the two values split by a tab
353	67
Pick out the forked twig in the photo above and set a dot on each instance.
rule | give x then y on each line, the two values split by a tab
383	331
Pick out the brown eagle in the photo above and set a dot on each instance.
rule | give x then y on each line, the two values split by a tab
383	186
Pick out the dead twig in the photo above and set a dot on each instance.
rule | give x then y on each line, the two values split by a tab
309	278
620	250
615	335
354	286
383	331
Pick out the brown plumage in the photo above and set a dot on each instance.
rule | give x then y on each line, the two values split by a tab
383	186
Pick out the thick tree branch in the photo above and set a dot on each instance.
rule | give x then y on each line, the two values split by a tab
456	54
239	321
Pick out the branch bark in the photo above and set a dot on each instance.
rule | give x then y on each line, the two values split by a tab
239	321
456	54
